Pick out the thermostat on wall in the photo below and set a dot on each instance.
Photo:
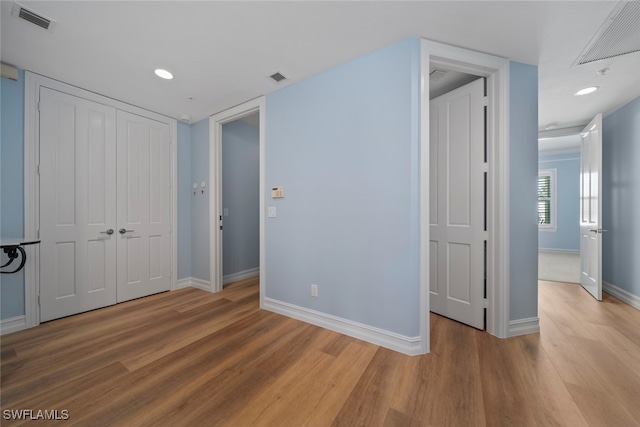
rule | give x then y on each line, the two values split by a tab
277	192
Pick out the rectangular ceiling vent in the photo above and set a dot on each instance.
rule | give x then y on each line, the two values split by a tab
619	35
436	74
28	15
277	77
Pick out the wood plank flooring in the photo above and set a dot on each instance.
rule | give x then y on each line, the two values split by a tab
191	358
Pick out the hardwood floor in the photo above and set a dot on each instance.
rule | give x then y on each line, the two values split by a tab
192	358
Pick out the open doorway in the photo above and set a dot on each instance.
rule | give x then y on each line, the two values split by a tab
559	208
241	199
243	122
457	195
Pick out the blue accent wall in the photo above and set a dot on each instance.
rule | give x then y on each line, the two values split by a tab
200	202
621	198
523	196
566	237
11	187
240	197
344	145
185	195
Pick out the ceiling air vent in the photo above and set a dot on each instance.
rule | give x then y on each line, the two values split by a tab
436	74
619	35
41	21
277	77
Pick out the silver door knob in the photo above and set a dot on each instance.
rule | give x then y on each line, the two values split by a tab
123	231
109	231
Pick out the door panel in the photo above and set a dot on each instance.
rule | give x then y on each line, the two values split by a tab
77	205
591	208
457	204
143	206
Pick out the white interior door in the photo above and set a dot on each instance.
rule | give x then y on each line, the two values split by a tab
591	208
457	204
144	206
77	205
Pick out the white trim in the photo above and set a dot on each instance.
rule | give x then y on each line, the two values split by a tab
240	275
12	324
192	282
408	345
425	272
518	327
558	152
560	251
559	160
215	178
183	283
33	82
496	70
624	296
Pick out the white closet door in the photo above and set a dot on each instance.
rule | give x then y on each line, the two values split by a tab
457	204
77	205
144	206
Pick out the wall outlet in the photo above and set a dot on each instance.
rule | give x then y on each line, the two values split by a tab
314	291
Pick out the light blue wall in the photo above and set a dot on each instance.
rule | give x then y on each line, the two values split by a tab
566	237
621	198
523	150
200	202
11	188
344	146
185	196
240	197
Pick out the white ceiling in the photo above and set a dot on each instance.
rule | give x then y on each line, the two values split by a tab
222	52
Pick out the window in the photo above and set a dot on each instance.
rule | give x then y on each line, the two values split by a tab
547	199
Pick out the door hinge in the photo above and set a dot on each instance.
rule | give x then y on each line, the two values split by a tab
485	101
485	167
485	303
486	235
38	299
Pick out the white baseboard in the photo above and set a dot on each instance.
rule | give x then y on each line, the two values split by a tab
530	325
400	343
560	251
240	275
192	282
12	324
624	296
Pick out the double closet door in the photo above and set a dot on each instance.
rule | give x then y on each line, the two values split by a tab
105	205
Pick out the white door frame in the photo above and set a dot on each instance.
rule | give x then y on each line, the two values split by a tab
496	70
215	178
33	82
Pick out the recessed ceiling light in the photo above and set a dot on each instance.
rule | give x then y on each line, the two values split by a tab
164	74
587	90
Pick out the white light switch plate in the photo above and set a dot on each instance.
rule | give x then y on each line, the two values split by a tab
271	212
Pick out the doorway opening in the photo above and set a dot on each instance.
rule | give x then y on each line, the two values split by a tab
457	195
241	128
240	198
559	208
496	71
